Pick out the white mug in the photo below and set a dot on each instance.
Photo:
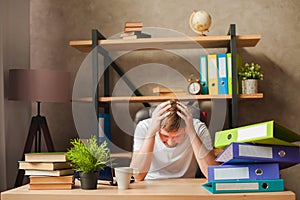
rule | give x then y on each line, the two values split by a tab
123	176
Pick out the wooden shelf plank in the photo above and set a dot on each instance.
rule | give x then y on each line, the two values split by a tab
251	96
167	43
165	98
121	155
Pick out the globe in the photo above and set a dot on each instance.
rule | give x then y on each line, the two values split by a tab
200	21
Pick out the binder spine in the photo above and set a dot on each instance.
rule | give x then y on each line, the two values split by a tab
203	74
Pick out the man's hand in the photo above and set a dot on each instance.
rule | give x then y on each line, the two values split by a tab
141	159
187	116
158	115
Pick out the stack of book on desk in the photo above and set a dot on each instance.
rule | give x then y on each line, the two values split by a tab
249	167
133	30
48	171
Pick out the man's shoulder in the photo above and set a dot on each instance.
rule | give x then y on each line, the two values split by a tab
144	122
200	127
197	122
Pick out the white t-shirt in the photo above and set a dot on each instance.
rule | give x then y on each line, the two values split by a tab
172	162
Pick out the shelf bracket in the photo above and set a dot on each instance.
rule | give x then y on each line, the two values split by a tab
109	62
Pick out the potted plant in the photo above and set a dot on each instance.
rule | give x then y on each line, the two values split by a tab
88	158
249	74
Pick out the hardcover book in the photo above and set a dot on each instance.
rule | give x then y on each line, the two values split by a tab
44	165
52	179
59	186
60	172
46	157
169	91
129	29
133	24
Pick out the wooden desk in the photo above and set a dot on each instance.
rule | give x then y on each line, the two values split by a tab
159	189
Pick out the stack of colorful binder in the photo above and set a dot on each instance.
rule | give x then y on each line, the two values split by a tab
252	158
216	73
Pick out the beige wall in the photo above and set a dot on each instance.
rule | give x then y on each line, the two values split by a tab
54	22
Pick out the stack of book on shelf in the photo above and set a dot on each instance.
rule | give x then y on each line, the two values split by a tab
172	92
216	73
48	171
252	158
133	30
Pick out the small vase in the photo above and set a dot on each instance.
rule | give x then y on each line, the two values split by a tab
250	86
89	181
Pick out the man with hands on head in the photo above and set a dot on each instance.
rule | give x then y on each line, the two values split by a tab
171	143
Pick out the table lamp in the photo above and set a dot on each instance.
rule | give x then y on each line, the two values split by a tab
38	85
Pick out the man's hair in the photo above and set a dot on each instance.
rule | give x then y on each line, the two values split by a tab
173	121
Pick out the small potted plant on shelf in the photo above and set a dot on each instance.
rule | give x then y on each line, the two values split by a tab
249	74
88	158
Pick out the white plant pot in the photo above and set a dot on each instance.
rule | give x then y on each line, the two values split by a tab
250	86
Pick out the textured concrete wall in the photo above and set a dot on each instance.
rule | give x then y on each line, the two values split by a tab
54	22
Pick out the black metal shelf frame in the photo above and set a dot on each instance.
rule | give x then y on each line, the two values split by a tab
96	36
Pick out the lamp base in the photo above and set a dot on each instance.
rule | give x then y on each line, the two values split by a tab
38	125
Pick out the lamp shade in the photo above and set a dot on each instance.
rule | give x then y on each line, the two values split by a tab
39	85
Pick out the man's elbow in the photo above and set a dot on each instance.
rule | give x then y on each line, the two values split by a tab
140	176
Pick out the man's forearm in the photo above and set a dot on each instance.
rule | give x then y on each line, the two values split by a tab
203	156
141	160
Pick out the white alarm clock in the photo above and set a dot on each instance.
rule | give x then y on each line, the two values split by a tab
194	87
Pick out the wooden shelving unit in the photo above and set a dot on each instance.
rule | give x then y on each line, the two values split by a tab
139	99
230	42
167	43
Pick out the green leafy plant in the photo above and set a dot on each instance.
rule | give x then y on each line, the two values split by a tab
88	156
250	71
